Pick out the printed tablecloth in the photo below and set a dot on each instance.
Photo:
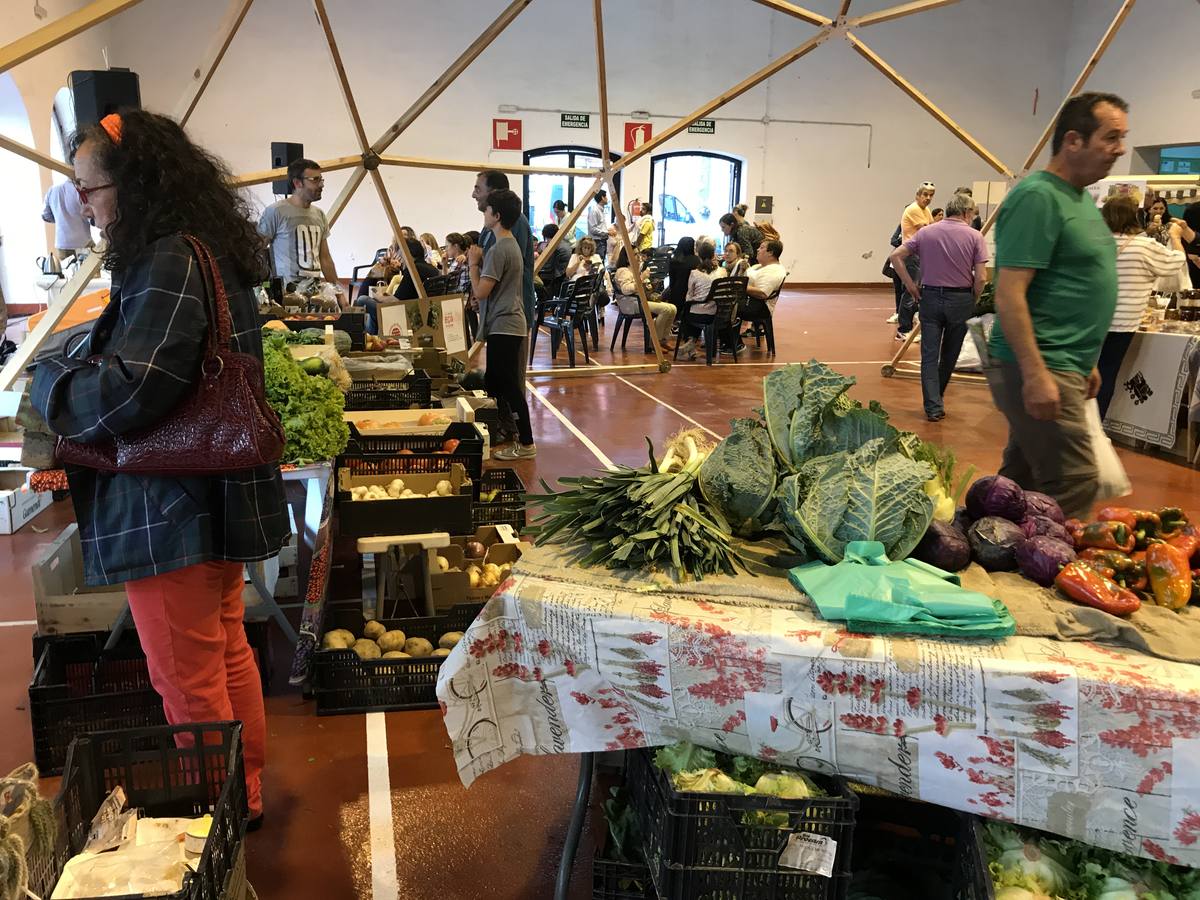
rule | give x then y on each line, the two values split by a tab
1150	386
1075	738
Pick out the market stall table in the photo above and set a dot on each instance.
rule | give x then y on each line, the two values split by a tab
1151	388
1080	739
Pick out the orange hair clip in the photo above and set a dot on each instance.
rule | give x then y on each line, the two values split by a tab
112	125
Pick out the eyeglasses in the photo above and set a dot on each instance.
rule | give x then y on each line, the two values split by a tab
315	179
84	192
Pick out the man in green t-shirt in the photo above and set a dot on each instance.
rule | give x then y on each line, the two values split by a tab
1056	292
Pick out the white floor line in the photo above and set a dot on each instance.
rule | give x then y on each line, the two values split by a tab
854	362
667	405
570	426
385	885
18	623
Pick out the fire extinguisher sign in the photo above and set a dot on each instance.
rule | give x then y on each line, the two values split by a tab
636	134
506	134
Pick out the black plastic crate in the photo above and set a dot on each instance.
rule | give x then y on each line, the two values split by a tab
181	770
706	844
351	321
505	508
974	877
908	849
343	683
77	688
615	880
382	456
413	392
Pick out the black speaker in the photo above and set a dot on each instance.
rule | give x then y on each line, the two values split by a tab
96	94
284	154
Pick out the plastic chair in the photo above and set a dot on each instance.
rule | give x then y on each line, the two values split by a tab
440	286
561	316
355	279
627	319
728	294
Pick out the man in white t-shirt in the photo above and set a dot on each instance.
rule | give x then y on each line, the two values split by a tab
765	280
298	231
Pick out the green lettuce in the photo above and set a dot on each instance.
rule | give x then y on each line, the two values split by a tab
310	408
873	494
684	756
738	476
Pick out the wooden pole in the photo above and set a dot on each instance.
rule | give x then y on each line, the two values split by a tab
343	199
335	57
565	228
1088	68
635	262
59	30
585	371
907	87
721	99
410	264
230	23
896	12
327	165
798	12
456	68
54	313
845	9
35	156
417	162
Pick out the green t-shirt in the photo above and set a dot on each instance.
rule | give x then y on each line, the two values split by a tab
1052	226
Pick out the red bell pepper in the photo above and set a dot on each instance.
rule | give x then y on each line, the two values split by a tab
1087	586
1187	543
1107	536
1170	577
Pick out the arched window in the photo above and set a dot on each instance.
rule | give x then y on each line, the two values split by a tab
542	190
692	190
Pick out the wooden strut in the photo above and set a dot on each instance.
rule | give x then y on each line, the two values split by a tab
930	107
61	29
635	262
267	175
416	162
721	99
343	199
36	156
589	371
566	227
230	23
896	12
797	12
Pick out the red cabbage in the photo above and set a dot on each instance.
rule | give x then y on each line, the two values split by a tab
994	542
943	546
1038	504
962	521
1035	525
1041	558
995	495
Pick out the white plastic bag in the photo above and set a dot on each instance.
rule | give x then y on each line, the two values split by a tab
1112	482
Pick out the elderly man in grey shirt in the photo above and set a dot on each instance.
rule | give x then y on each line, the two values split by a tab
598	223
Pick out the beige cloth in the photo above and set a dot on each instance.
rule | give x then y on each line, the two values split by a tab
1043	612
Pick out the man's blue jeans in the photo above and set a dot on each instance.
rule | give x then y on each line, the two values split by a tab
944	313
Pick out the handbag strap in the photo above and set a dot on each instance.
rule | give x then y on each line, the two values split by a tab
219	305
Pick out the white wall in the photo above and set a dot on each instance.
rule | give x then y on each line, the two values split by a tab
36	81
979	60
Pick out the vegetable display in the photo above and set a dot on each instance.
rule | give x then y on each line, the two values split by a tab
995	495
309	408
1029	865
698	769
647	518
377	642
994	543
1041	558
944	546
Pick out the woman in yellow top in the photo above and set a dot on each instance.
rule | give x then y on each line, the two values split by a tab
645	233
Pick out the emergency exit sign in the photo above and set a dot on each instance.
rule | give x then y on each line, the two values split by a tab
575	120
703	126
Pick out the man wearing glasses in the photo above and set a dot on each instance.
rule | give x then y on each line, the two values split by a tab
298	230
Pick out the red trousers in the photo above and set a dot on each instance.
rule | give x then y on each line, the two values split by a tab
190	625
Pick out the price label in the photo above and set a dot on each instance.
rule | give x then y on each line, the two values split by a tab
812	853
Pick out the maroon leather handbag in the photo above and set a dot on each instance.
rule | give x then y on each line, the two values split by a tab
224	425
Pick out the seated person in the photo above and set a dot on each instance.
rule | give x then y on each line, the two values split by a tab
384	270
629	303
735	264
433	253
586	261
698	309
765	280
555	270
402	287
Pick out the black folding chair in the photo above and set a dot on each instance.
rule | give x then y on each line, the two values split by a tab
440	285
355	279
728	294
763	324
555	312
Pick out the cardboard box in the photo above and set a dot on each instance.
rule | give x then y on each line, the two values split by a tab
449	588
18	504
392	422
418	515
436	322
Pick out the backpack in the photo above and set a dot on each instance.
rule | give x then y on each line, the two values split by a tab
897	240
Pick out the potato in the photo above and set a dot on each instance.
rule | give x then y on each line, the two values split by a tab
373	630
366	649
440	651
335	640
450	639
418	647
346	634
473	576
396	654
443	564
391	640
444	488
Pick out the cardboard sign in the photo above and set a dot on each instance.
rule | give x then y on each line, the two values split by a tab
436	322
636	134
506	134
